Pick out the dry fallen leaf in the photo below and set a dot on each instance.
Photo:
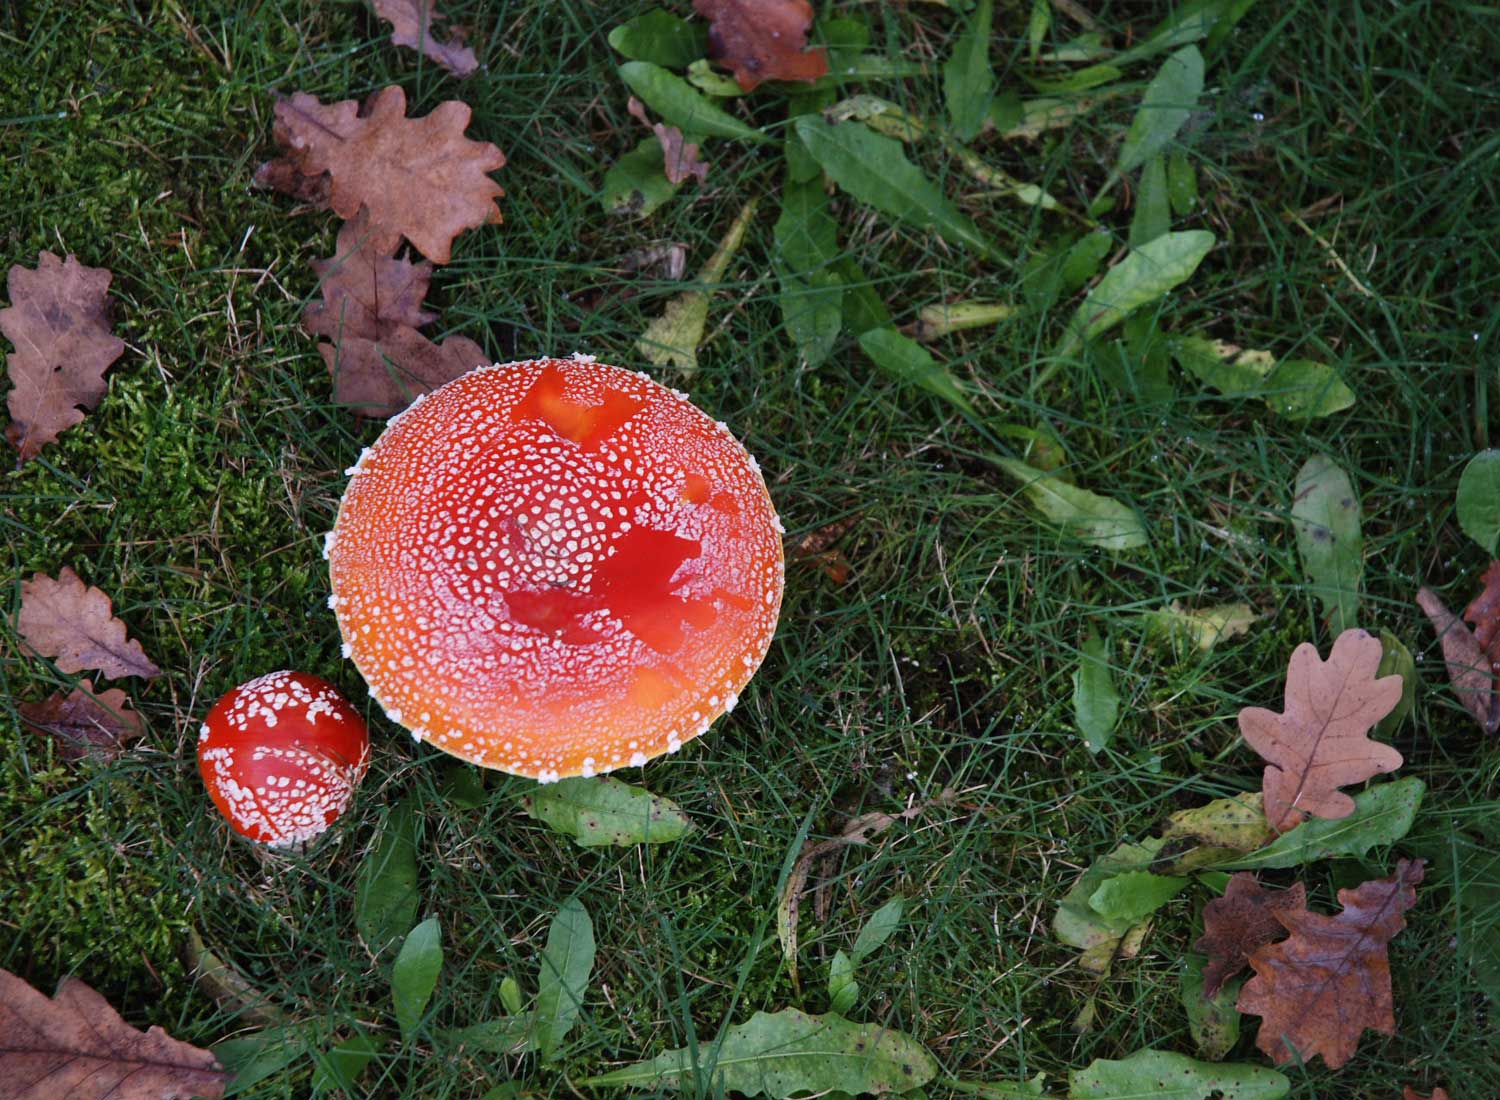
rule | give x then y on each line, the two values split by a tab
818	547
419	177
1409	1093
762	39
1239	923
1320	742
1317	990
381	377
58	322
75	626
412	22
1469	667
75	1045
680	158
85	722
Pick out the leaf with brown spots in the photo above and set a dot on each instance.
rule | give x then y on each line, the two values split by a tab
1319	989
1470	668
75	626
419	177
85	723
1320	742
412	21
1239	923
762	39
680	158
58	322
75	1045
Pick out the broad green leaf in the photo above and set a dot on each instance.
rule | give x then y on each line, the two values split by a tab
805	234
1299	389
800	166
874	169
1396	660
911	362
603	810
661	38
812	294
563	975
342	1066
1144	275
1134	895
1170	98
1064	268
1479	500
1213	1023
463	785
1096	703
1001	1090
682	105
968	80
843	990
1037	26
1191	22
385	893
1382	815
675	335
510	995
879	928
1325	516
509	1035
1082	260
1182	184
935	322
702	75
1079	925
812	310
785	1054
1203	627
414	975
1163	1075
1088	517
636	184
1153	212
864	309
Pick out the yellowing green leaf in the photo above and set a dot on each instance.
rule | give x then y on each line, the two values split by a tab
1299	389
1204	627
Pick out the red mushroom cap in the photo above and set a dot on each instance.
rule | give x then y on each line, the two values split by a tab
556	568
281	756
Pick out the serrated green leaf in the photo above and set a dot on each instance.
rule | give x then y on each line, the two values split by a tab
1163	1075
785	1054
1383	814
604	811
1088	517
1325	517
1214	1023
879	928
636	184
874	169
1479	500
1153	212
843	990
1396	660
1144	275
1096	703
1170	98
968	81
682	105
661	38
911	362
1133	896
385	893
563	975
414	974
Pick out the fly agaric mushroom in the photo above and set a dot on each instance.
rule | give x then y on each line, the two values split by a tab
281	756
556	568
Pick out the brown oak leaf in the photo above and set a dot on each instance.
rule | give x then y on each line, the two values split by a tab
419	177
75	1045
680	158
762	39
365	287
58	322
1470	668
1240	922
412	22
1320	742
74	624
282	174
381	377
1320	988
1409	1093
84	722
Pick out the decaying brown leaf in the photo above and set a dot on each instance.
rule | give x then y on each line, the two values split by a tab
1236	925
762	39
818	547
59	324
85	722
75	1045
381	377
419	177
1409	1093
230	990
1320	741
412	21
74	624
1469	668
1320	988
680	158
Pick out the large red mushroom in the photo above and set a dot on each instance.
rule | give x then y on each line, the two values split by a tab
281	756
556	568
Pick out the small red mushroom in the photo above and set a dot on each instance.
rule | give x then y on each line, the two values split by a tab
281	756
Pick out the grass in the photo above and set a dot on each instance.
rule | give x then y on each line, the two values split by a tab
197	494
